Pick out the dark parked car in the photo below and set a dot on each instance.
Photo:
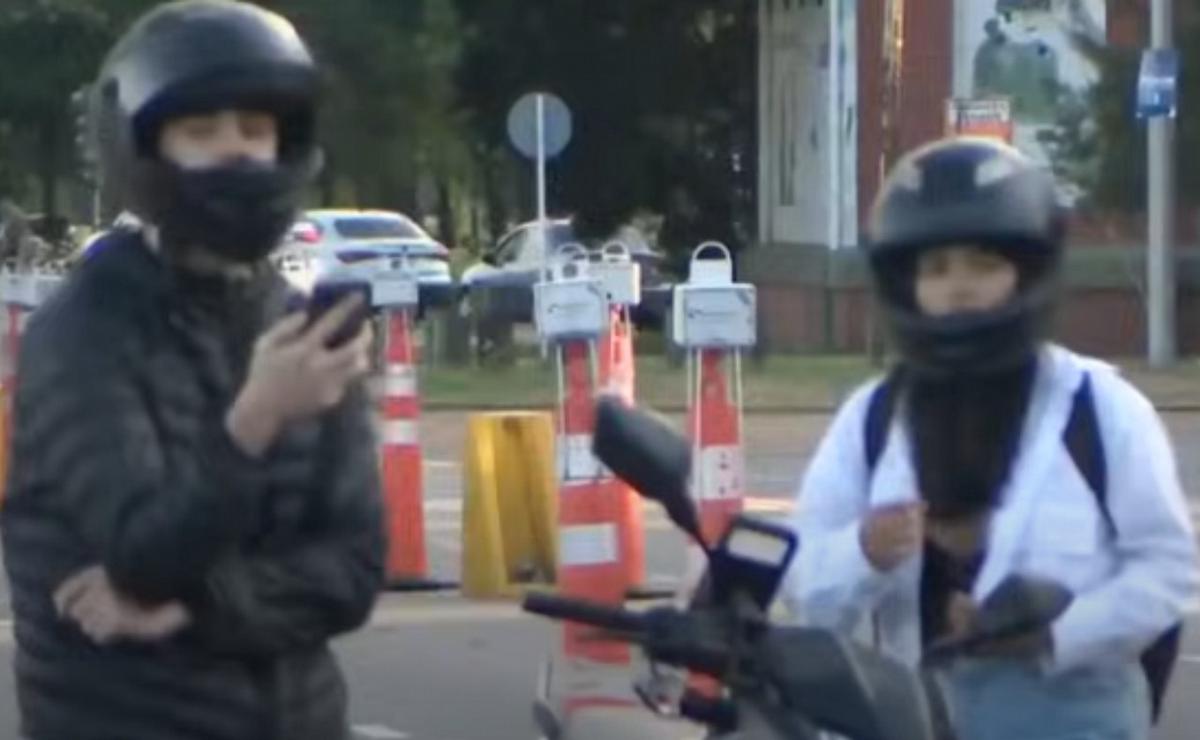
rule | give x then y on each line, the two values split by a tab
508	271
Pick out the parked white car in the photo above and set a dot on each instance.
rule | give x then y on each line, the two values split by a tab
364	243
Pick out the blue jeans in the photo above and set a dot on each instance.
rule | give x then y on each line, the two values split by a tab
1012	700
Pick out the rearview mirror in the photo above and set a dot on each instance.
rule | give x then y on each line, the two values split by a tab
489	258
648	455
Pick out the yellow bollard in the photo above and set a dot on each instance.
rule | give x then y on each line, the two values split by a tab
510	511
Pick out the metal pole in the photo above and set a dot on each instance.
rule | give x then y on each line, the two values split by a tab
1160	263
541	178
541	197
768	107
835	140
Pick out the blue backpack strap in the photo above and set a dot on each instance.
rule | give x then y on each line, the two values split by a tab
1086	446
880	408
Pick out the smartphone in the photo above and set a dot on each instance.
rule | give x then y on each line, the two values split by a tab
327	294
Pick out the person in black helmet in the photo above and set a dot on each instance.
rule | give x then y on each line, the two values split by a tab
986	452
193	505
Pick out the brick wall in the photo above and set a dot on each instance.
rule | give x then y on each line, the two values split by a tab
806	307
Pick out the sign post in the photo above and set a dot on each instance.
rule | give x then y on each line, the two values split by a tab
1156	103
539	126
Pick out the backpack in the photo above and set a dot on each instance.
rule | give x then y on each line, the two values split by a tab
1086	448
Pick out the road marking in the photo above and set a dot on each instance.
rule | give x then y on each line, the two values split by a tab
401	613
379	732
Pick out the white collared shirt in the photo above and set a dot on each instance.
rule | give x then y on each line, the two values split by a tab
1127	590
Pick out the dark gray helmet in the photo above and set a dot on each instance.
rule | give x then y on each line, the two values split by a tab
196	56
971	191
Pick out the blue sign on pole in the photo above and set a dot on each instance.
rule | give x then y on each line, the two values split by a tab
1158	82
523	125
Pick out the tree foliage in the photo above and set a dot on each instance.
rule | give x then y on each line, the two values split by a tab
417	94
1100	145
663	96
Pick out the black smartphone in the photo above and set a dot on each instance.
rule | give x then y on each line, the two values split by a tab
327	294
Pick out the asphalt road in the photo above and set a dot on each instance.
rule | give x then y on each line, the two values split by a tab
441	668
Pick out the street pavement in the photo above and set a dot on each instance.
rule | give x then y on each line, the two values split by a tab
437	667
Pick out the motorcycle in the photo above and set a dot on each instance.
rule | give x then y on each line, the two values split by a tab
774	681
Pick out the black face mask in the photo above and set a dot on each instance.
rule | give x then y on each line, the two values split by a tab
966	433
238	211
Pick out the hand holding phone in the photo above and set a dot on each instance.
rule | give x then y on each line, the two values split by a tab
328	293
302	366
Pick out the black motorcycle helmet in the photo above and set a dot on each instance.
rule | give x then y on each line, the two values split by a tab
977	192
199	56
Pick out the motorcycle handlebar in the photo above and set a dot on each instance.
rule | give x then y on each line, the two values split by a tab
603	616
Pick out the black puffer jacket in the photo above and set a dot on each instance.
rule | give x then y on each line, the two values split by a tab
120	457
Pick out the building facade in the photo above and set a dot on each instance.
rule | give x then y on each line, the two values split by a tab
823	141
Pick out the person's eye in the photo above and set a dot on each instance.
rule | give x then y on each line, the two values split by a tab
932	265
258	126
987	261
199	127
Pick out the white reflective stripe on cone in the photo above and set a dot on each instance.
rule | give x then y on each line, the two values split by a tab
719	472
398	432
400	381
587	544
575	459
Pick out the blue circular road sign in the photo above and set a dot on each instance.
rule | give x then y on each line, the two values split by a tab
556	124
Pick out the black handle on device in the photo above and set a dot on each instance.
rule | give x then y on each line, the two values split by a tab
607	617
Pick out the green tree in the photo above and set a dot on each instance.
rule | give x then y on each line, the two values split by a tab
55	46
663	97
388	123
1100	146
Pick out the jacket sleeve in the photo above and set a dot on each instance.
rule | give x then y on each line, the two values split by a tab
87	434
268	602
831	583
1156	576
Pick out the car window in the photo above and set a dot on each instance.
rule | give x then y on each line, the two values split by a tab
557	234
510	247
376	227
560	234
530	255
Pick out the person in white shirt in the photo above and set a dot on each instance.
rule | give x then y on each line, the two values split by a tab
974	472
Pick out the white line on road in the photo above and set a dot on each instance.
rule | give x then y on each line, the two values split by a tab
379	732
444	611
